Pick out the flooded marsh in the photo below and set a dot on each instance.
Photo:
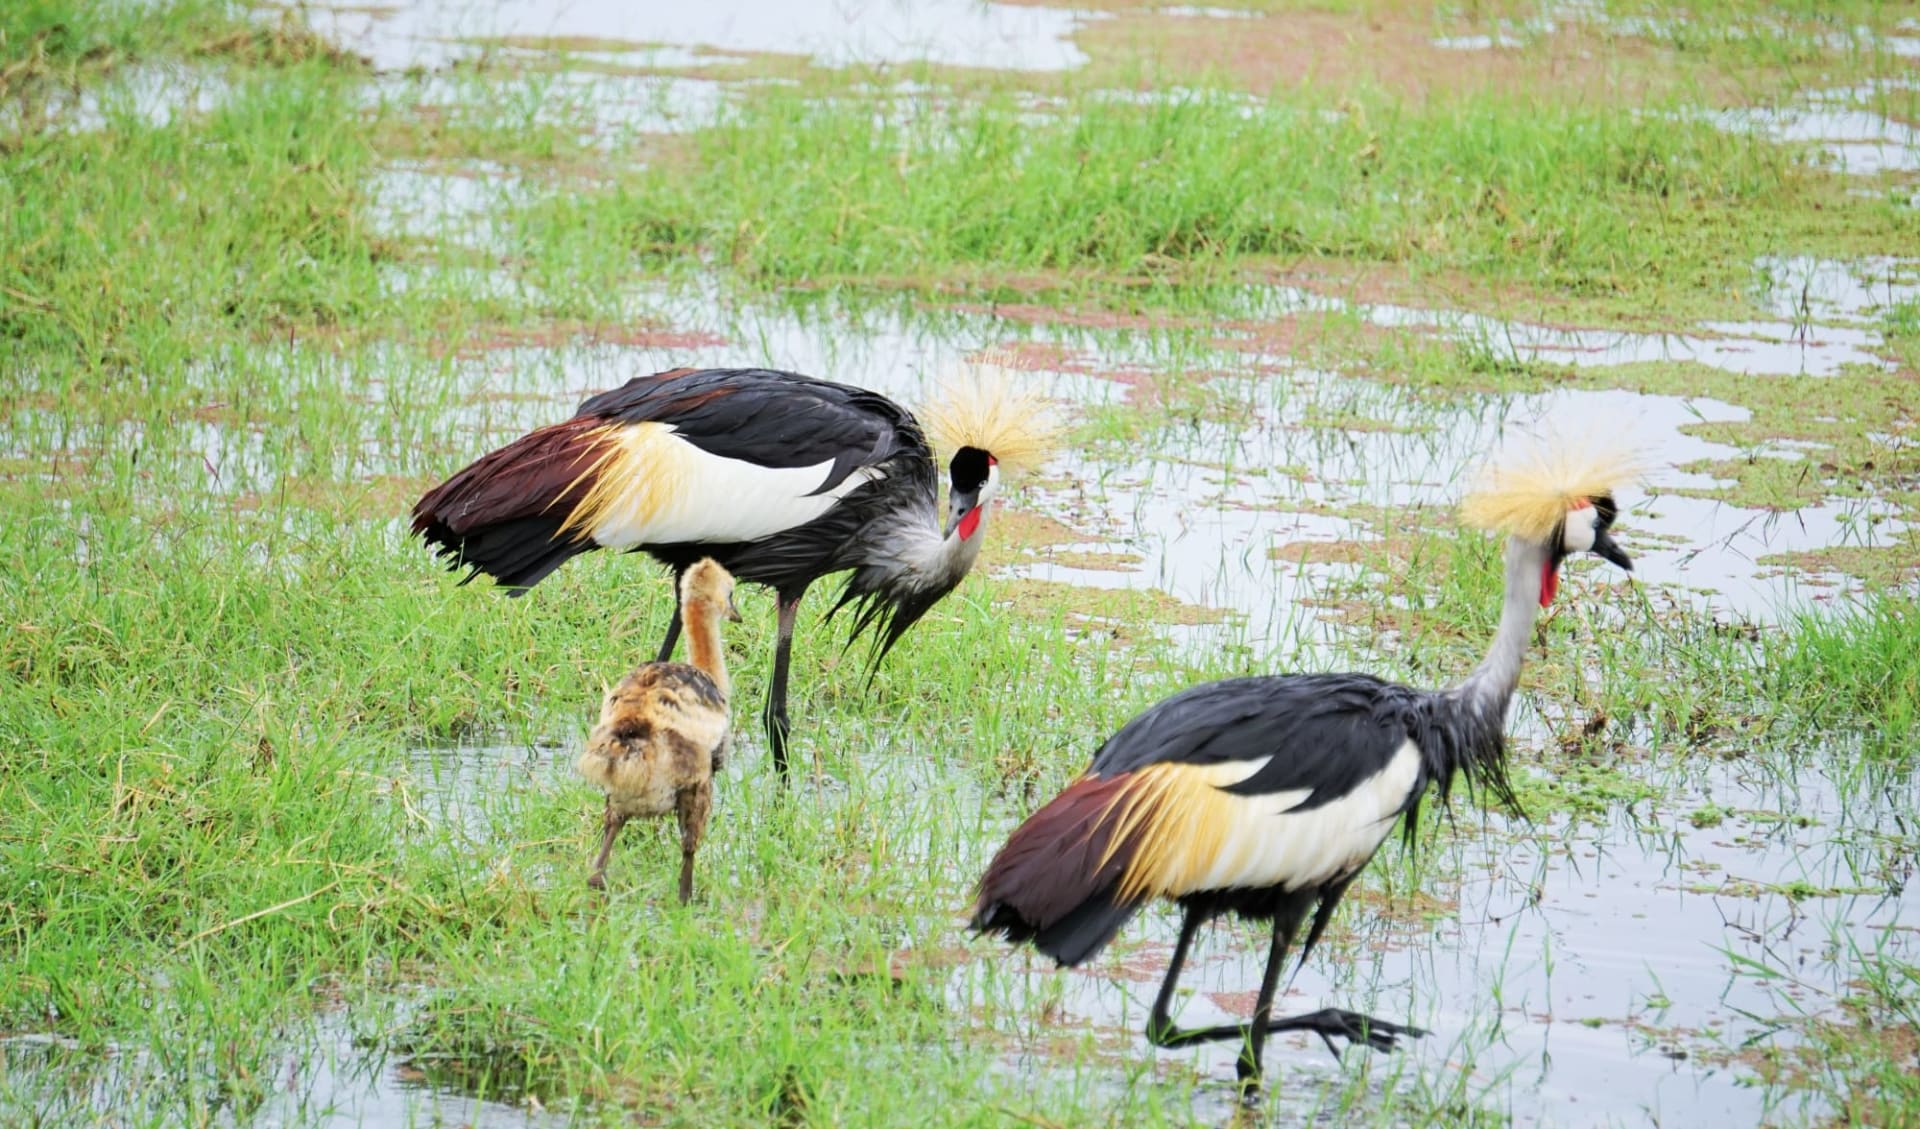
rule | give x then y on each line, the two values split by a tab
288	829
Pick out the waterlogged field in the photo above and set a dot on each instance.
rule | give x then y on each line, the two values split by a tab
288	831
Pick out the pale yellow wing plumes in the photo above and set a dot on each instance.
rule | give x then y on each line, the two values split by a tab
631	466
1528	491
987	405
1175	819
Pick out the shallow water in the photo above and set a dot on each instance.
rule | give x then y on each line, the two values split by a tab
607	110
833	32
1804	346
326	1075
1204	503
430	202
1576	975
1620	972
1831	292
146	93
1853	140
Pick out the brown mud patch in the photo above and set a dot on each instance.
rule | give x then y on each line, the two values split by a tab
1117	613
1018	534
446	140
1396	51
1313	336
1353	422
897	968
286	42
65	472
1051	357
1111	300
718	64
1328	552
1142	963
1034	313
1888	565
1095	562
1366	283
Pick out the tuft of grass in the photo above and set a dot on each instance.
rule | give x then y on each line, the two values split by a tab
1855	668
107	260
57	33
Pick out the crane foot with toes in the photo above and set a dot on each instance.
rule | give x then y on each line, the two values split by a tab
1355	1028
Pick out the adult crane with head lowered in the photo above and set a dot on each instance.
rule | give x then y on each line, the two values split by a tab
1266	796
780	478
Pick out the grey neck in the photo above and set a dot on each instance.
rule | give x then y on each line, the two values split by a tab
1491	684
919	558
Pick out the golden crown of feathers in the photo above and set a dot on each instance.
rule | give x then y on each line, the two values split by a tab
1528	492
983	405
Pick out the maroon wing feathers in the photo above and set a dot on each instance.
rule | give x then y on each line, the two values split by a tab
1054	882
538	472
505	514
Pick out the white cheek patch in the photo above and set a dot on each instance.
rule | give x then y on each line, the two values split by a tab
991	485
1579	537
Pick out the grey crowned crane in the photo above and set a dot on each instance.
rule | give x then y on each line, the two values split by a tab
1265	797
780	478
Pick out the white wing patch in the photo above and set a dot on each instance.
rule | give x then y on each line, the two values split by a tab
1268	843
666	490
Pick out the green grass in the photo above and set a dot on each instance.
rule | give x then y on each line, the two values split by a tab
1577	200
60	32
1790	34
134	276
1853	666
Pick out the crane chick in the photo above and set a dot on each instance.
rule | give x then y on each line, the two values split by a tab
663	729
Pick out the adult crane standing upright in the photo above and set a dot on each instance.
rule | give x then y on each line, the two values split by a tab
781	478
1266	796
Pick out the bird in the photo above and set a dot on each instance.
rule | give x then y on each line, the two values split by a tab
779	477
663	729
1265	796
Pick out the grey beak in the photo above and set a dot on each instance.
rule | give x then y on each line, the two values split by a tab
959	506
733	609
1606	550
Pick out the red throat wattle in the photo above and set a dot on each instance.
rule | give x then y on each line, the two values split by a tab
1549	580
970	521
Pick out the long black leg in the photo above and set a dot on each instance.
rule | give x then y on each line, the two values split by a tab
1160	1029
1329	898
1248	1068
776	713
673	625
1379	1034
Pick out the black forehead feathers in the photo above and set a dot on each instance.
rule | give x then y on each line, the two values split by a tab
968	469
1603	504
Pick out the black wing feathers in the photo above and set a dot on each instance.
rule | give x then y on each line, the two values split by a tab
770	418
1324	732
